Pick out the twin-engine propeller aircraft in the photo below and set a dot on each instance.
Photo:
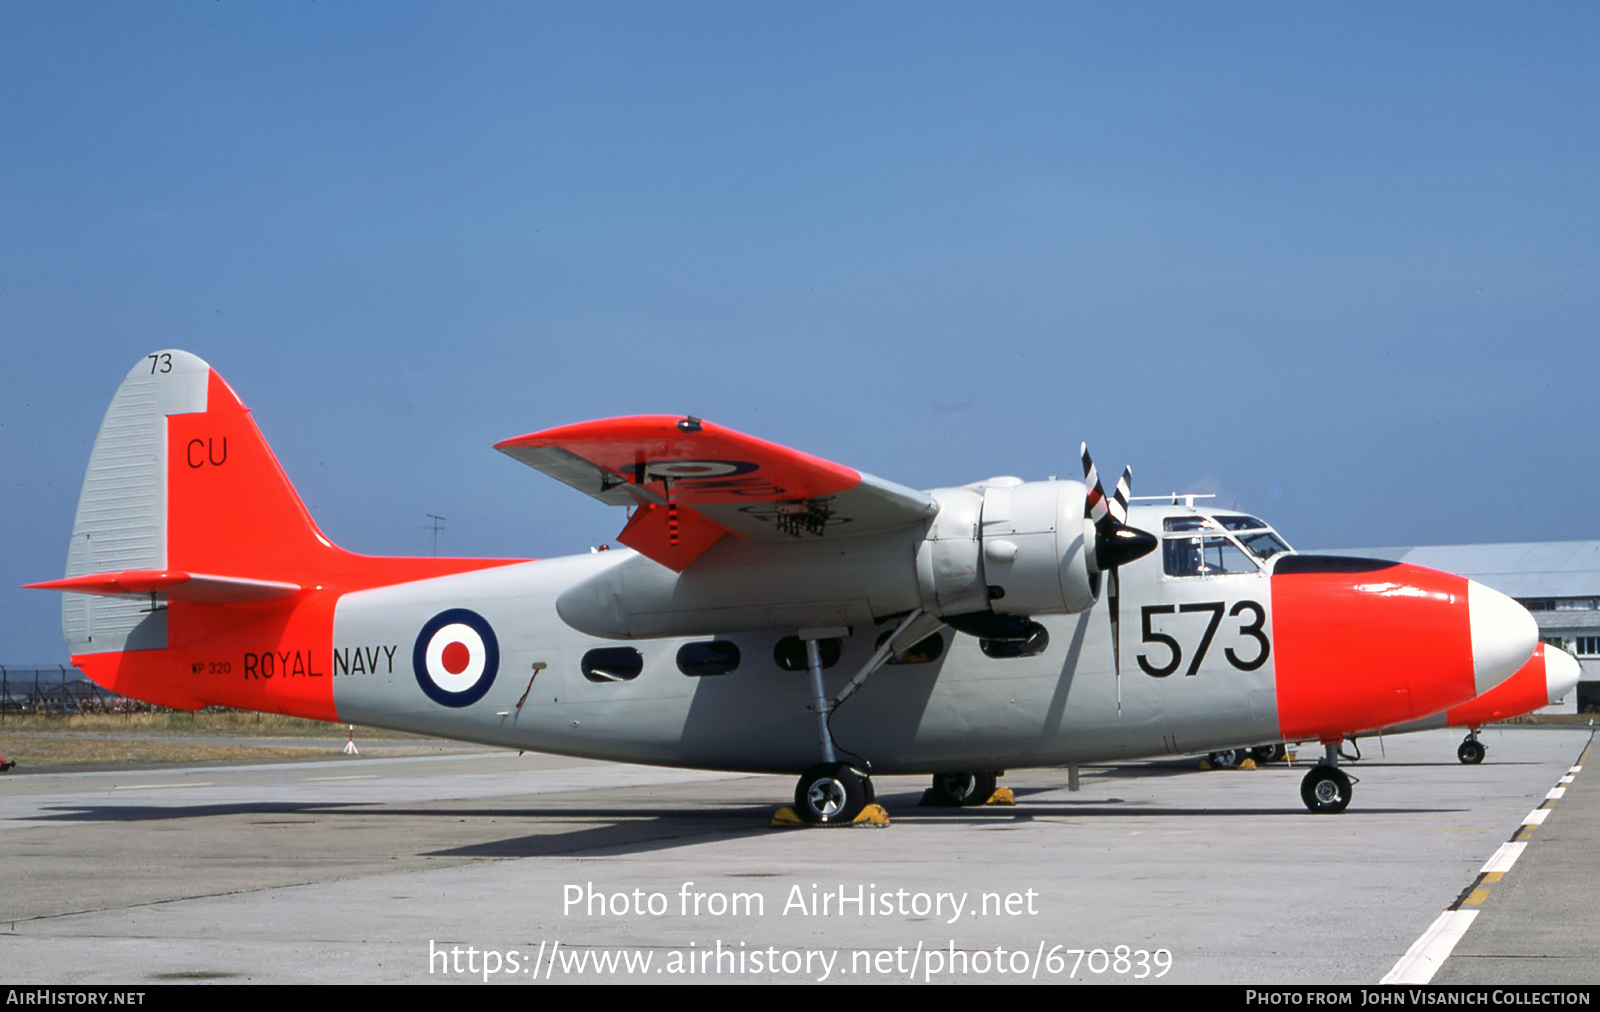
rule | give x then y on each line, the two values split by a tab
1544	681
777	612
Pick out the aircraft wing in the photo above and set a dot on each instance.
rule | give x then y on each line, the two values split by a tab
694	481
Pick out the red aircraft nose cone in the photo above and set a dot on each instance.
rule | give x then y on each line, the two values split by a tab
1365	643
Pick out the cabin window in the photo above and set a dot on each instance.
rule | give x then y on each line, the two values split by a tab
612	664
1037	641
708	657
790	653
924	651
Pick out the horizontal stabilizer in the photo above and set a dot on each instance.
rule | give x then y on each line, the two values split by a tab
199	588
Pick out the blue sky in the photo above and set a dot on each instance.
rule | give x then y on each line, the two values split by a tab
1337	263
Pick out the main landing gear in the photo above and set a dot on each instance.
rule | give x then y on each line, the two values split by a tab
1269	753
1226	759
833	791
1471	750
958	790
1326	789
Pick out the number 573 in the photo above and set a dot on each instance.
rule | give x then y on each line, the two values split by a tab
1252	629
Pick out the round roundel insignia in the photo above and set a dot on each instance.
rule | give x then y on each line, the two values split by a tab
684	470
456	657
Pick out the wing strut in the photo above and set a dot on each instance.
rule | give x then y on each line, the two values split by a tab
897	641
833	791
918	622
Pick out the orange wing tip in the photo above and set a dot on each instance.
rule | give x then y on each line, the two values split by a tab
619	443
200	588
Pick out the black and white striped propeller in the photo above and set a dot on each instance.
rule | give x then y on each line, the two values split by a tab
1115	543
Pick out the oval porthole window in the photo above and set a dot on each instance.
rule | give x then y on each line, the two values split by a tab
612	664
709	657
790	653
924	651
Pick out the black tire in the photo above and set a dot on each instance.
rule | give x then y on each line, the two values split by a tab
1269	753
1226	759
830	793
963	788
1325	790
1471	752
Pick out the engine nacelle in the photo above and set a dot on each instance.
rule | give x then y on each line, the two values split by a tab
1010	547
996	553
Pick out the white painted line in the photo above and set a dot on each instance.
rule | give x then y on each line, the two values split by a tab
1576	769
354	776
1505	857
1536	817
1566	779
1556	793
1429	952
156	787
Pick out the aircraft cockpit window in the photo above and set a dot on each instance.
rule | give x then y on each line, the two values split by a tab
612	664
1188	524
790	653
1204	557
708	657
1263	545
1240	523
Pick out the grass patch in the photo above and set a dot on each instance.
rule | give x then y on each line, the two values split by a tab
174	736
34	749
232	722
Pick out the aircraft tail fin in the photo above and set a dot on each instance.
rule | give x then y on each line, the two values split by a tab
182	497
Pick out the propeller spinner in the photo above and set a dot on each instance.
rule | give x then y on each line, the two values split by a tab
1115	544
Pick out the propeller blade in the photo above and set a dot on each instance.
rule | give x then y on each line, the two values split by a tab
1094	503
1115	543
1113	592
1118	505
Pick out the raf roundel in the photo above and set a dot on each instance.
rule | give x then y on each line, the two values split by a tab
456	657
688	470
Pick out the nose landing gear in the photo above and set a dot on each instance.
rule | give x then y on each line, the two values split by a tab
1326	789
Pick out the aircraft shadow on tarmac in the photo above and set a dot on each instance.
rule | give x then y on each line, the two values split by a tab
577	829
149	813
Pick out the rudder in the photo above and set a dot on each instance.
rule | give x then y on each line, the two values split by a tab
180	480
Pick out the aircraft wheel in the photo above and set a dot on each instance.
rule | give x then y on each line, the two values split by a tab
829	793
963	788
1227	759
1471	752
1269	753
1325	789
